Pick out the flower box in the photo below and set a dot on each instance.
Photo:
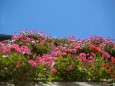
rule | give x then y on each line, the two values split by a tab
30	55
58	83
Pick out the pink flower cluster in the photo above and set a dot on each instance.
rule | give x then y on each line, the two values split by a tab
106	54
15	47
33	63
46	50
54	70
46	59
82	57
25	50
69	68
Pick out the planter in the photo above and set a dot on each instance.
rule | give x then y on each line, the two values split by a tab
55	84
29	56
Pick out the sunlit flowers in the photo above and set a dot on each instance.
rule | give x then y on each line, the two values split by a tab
36	55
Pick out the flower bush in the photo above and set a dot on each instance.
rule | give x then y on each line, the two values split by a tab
36	56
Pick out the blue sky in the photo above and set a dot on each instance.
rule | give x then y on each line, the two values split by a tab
80	18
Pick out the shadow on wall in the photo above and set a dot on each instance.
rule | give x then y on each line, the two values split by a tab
5	37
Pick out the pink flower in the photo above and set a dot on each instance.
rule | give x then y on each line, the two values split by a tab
50	62
73	55
5	42
25	49
91	59
50	37
18	37
15	47
106	54
68	68
93	54
48	59
41	61
82	57
56	49
76	46
1	44
59	53
56	53
5	50
64	53
72	37
28	39
70	50
33	63
54	70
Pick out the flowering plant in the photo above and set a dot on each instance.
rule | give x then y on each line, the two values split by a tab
36	56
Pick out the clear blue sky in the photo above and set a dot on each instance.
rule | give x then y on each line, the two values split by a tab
81	18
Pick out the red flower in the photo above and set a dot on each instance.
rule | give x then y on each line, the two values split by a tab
95	48
113	60
111	68
105	66
112	75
